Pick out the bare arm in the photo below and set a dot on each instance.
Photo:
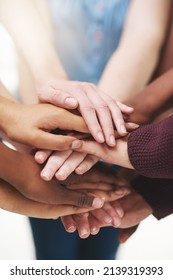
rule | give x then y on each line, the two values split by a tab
133	63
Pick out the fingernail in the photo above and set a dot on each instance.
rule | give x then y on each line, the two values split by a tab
71	228
127	191
45	176
76	144
83	232
97	203
120	191
60	175
101	137
112	140
108	220
40	158
71	102
116	222
123	129
94	230
120	212
135	125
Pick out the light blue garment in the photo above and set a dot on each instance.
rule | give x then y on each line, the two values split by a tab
87	32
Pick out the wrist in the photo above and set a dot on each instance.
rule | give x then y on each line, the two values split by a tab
6	114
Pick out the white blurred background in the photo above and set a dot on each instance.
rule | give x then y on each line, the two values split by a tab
152	241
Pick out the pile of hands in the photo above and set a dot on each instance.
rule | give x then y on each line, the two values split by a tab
69	131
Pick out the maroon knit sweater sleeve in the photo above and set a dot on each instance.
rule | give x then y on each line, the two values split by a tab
158	193
150	149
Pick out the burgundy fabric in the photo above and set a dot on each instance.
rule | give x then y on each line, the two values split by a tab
150	149
158	193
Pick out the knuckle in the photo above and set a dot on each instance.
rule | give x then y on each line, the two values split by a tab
84	200
102	106
88	108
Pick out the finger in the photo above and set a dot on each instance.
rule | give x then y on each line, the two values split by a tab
42	156
69	223
57	194
72	122
13	201
116	218
57	97
54	162
91	186
86	164
124	108
94	224
82	225
104	116
118	208
102	216
69	165
131	126
88	112
89	147
48	141
125	234
116	114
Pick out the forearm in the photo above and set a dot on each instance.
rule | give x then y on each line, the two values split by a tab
156	98
10	164
24	23
133	63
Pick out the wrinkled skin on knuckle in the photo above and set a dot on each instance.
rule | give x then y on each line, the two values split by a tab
84	200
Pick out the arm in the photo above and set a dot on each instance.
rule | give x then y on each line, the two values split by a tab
30	185
30	124
133	63
26	26
13	201
148	149
155	99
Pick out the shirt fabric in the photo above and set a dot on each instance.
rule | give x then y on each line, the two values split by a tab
150	149
87	32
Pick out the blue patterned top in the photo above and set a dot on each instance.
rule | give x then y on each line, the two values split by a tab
87	32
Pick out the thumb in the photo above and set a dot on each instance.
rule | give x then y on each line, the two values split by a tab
57	97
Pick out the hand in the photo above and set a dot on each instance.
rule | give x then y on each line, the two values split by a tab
30	124
62	164
105	178
129	211
13	201
116	155
97	108
29	183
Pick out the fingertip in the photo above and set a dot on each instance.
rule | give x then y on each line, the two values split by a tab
39	158
71	229
97	202
76	144
45	176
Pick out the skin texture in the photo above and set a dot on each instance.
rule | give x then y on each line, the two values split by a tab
35	122
125	213
87	193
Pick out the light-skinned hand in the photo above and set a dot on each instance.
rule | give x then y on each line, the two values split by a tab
100	112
